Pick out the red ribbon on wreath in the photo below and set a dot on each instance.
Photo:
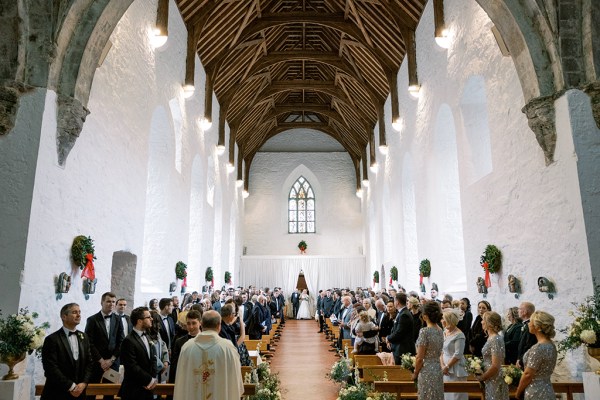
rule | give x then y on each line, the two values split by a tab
390	279
420	279
184	283
488	281
212	283
88	271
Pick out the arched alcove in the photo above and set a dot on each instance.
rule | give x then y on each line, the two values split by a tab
408	276
177	119
217	253
300	171
474	113
386	220
197	225
446	245
122	277
372	238
233	222
156	218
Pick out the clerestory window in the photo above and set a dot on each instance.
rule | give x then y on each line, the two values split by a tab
301	207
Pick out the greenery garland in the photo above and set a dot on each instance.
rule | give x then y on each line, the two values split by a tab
493	257
180	270
425	268
208	275
227	277
81	247
394	273
376	277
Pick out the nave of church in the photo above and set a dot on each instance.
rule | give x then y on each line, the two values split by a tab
194	145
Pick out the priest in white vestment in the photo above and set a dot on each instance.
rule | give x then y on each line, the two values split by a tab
209	366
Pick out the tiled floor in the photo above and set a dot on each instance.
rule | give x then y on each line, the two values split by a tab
302	360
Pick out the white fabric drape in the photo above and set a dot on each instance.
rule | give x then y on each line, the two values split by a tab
320	272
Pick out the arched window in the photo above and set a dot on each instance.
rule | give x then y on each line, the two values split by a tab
301	207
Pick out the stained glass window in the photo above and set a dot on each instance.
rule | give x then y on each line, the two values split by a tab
301	208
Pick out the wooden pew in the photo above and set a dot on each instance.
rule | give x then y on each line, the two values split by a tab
408	390
163	389
258	345
372	373
360	361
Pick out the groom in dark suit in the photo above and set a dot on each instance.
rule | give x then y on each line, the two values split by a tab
66	358
295	299
401	338
105	331
138	355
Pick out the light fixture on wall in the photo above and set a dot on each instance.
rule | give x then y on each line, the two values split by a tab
230	168
220	149
160	32
205	123
414	90
374	166
383	149
397	124
442	35
245	194
188	90
365	183
239	183
359	193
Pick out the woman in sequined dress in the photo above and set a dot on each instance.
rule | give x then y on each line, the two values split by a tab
539	360
429	348
493	357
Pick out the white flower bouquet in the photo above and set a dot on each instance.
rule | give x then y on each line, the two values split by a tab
19	334
511	374
475	365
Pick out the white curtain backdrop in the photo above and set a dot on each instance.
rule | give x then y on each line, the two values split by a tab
320	272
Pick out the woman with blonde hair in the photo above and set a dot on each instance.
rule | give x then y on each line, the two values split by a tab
452	359
493	357
539	360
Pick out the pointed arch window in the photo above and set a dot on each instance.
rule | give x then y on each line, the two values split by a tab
301	207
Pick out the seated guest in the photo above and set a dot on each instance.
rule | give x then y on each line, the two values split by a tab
67	372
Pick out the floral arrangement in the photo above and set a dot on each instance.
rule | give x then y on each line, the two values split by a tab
491	260
302	245
585	329
18	334
180	270
340	371
228	277
407	361
376	277
208	275
363	391
475	365
512	374
81	247
268	385
394	273
425	268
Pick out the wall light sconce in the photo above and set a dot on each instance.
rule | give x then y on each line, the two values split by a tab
383	149
239	183
230	168
220	149
442	35
359	193
365	183
205	123
245	194
414	90
374	167
545	285
161	32
443	40
188	91
397	124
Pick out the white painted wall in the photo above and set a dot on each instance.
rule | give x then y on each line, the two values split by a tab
338	217
531	212
129	139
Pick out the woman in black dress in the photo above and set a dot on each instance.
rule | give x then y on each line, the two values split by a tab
477	336
512	335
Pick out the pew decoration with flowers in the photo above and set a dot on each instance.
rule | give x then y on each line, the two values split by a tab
363	391
268	385
341	372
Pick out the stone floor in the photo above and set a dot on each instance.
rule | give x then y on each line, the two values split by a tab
302	360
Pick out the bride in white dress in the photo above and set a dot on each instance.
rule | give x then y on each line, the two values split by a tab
304	311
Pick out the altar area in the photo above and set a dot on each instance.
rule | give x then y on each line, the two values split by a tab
320	272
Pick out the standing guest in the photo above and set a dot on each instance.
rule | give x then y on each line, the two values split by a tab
320	298
337	302
465	323
453	360
176	308
105	332
370	310
401	337
66	358
228	317
138	356
512	335
219	300
125	320
193	329
540	359
380	312
528	339
477	336
429	349
153	305
245	308
215	358
434	293
493	358
167	326
276	306
414	306
256	322
195	298
346	313
387	323
295	299
446	304
367	341
161	350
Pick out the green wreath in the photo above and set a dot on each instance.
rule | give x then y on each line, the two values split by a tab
208	275
425	268
394	273
376	277
82	246
302	245
180	270
227	277
493	257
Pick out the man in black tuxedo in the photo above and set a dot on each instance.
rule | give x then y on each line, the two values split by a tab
401	338
219	303
167	326
105	331
138	355
527	339
246	308
193	318
125	320
66	358
277	306
295	299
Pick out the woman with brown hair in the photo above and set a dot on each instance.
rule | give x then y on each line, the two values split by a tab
512	335
429	348
493	357
477	336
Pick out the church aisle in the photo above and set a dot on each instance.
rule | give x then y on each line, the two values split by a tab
302	360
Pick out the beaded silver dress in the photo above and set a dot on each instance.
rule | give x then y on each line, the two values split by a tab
431	381
495	387
542	358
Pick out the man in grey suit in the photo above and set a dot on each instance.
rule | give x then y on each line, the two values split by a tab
401	338
346	312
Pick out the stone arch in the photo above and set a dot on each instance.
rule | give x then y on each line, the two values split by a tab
478	152
122	277
197	222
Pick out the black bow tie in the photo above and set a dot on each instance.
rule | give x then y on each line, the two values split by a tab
72	333
107	316
143	334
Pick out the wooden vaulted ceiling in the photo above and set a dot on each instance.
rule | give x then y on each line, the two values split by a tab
282	64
